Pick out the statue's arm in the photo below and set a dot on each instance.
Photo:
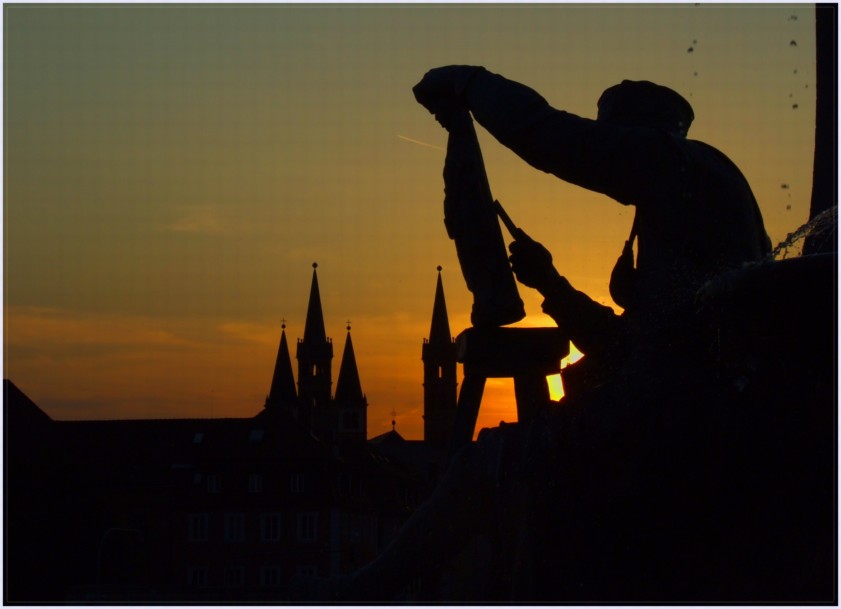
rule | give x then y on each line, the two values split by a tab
620	162
593	327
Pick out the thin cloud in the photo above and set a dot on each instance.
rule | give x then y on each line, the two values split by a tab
420	143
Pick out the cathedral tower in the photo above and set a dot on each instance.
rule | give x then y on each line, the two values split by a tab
350	403
315	356
439	375
282	395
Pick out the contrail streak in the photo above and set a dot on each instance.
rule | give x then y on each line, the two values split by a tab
419	143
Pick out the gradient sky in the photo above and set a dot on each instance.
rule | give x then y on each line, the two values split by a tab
171	173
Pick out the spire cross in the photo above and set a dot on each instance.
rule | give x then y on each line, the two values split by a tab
283	323
348	325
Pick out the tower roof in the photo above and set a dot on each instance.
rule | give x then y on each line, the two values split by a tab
348	387
439	332
283	383
314	329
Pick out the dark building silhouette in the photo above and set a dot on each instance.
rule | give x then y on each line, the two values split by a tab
439	374
315	356
343	417
209	510
188	510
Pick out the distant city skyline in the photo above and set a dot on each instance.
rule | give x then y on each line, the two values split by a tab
173	171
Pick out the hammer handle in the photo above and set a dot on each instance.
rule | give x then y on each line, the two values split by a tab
506	220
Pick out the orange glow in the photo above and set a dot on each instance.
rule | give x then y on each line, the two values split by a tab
574	356
556	386
162	219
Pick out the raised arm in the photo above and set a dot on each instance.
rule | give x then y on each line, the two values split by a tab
606	158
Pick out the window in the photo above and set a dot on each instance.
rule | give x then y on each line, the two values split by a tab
270	576
350	485
234	577
255	436
234	527
198	437
306	571
412	590
308	526
296	483
214	484
197	577
270	527
354	527
255	483
197	527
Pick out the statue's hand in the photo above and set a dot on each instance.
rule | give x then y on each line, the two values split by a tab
440	90
532	264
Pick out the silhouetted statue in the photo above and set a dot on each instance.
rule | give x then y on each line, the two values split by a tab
642	484
695	213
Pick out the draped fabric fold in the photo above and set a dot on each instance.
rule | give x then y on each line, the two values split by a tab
471	222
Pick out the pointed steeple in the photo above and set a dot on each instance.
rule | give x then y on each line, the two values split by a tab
351	406
282	392
315	355
314	330
348	387
439	332
439	375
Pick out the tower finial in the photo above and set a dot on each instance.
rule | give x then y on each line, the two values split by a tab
348	325
393	420
283	323
440	268
315	265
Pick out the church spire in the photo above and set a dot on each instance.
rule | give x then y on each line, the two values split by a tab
348	387
439	375
314	330
315	355
439	332
350	402
282	392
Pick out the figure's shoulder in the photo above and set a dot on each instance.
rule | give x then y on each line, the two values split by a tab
642	135
710	155
703	148
644	146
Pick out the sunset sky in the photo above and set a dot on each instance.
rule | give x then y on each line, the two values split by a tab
173	171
